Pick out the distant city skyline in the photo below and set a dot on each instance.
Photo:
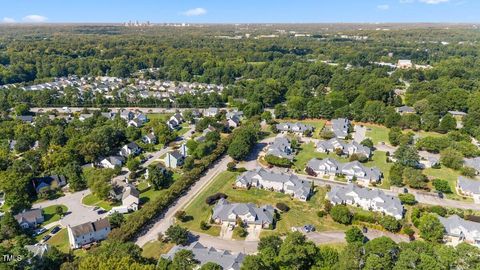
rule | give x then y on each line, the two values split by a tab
246	11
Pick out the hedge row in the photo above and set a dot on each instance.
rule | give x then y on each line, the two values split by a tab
140	219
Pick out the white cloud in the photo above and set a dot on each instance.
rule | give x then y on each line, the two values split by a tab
195	12
434	2
8	20
383	7
430	2
34	18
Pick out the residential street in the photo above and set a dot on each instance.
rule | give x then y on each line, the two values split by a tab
168	218
77	213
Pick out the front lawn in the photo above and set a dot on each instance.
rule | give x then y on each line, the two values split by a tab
60	240
300	213
451	176
92	200
50	215
307	152
161	116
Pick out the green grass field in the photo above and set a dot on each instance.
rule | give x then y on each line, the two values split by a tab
154	249
161	116
92	200
50	215
451	176
307	152
300	213
317	123
60	240
377	133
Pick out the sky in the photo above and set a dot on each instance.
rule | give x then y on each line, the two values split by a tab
238	11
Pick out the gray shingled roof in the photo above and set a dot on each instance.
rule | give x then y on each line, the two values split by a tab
353	168
296	127
263	215
225	259
341	194
473	163
281	148
469	185
456	226
340	127
299	187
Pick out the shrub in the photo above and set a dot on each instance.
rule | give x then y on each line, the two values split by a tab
437	209
231	166
212	199
468	171
368	217
278	161
204	225
354	235
180	215
177	235
282	207
327	206
390	224
321	213
341	214
407	198
442	185
240	232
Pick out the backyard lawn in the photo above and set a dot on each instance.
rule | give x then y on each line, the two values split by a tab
300	213
154	249
161	116
50	215
307	152
317	123
376	133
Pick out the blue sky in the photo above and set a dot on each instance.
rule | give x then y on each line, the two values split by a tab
238	11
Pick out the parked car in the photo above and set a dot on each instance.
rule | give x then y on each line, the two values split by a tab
55	229
309	228
440	195
405	190
46	237
39	231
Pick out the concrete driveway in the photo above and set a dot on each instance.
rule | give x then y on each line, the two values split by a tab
225	232
253	232
359	134
77	213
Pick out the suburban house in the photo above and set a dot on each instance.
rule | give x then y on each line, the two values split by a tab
348	149
404	64
25	118
351	170
469	187
183	149
126	115
211	112
88	233
130	198
175	121
108	115
38	250
47	183
112	161
30	219
367	199
286	183
233	122
473	163
298	128
340	127
280	147
135	123
429	162
226	212
458	230
174	159
149	138
203	255
130	149
405	110
84	116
